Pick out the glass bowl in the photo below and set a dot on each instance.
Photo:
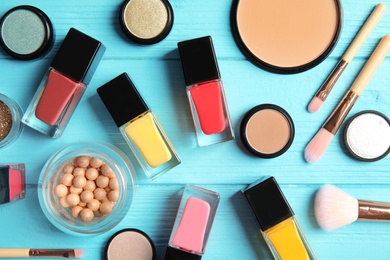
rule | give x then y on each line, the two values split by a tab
52	172
16	114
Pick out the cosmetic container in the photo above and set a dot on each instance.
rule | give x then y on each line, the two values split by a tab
64	84
54	173
193	223
205	91
278	226
26	33
12	182
139	126
10	121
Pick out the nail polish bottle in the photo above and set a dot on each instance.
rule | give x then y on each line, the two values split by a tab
64	84
278	225
193	223
139	126
12	182
205	91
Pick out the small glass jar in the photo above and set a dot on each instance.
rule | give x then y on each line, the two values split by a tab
51	174
9	108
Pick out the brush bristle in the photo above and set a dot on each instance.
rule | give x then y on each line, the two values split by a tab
334	208
315	104
78	253
317	146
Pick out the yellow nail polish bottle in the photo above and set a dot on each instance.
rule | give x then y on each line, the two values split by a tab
278	225
139	126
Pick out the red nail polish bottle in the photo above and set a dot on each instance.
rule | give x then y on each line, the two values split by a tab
12	182
64	84
205	91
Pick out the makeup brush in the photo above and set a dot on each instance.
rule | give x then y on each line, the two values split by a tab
349	54
321	140
50	253
334	208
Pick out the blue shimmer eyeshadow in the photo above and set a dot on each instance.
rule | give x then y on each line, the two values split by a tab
23	32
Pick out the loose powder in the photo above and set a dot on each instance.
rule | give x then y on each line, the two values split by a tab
368	136
5	120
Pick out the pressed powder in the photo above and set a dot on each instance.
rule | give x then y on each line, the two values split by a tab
26	32
130	244
267	131
367	136
286	36
146	21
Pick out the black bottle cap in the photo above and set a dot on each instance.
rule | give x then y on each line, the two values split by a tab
122	99
198	60
78	56
4	184
177	254
268	203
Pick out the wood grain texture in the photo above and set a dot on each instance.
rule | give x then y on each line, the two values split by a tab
225	168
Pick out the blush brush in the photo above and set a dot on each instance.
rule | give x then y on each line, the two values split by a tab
334	208
317	146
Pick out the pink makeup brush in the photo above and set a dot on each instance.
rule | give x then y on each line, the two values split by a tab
41	253
334	208
349	54
321	140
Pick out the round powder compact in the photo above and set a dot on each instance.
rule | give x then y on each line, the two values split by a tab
146	21
367	136
10	124
267	131
130	244
286	36
26	32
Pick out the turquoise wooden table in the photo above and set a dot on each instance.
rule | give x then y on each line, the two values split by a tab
225	168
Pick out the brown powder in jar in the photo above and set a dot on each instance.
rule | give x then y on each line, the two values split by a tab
5	120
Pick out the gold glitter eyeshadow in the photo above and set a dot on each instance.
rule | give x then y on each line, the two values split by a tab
5	120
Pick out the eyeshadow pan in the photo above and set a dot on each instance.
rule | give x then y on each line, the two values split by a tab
26	32
130	244
267	131
286	36
367	136
146	21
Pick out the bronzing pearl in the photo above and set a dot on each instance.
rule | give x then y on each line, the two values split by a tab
92	174
76	211
106	208
83	161
80	181
61	190
86	196
95	162
86	215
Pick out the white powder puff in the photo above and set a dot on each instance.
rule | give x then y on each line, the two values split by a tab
368	136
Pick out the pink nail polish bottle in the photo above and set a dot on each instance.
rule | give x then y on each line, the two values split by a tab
193	224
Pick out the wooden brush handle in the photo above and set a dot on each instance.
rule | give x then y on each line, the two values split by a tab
364	32
373	210
14	252
371	65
